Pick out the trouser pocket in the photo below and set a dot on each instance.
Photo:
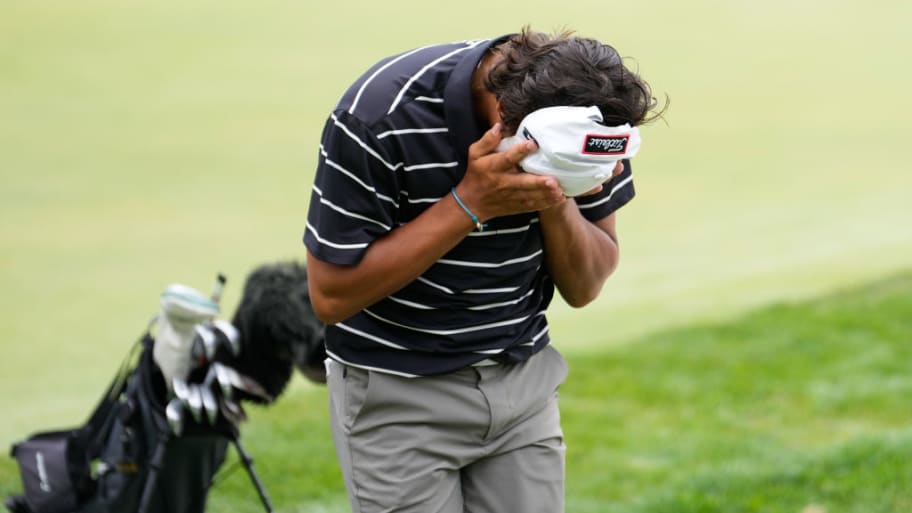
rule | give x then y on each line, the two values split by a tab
348	389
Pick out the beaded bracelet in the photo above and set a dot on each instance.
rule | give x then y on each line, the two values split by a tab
478	224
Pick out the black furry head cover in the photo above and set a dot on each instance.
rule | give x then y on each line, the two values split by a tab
278	327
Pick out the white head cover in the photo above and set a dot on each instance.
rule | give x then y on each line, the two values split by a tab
573	146
182	309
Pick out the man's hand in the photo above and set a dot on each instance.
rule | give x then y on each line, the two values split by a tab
493	186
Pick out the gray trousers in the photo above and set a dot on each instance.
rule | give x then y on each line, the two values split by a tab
479	440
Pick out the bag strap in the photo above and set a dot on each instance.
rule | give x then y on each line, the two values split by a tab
95	428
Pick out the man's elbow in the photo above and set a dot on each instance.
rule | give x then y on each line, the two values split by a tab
585	291
328	304
328	309
581	297
325	313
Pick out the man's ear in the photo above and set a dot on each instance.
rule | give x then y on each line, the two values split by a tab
497	117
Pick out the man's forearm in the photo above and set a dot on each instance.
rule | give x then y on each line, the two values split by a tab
390	263
580	255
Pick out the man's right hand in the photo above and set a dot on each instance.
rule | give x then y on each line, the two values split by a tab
494	186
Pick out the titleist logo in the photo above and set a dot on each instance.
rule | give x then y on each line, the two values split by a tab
605	144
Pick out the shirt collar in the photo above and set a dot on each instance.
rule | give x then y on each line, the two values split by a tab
464	127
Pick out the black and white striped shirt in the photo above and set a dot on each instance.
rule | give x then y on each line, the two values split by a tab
394	145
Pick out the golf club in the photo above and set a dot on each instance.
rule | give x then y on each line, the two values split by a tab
242	382
195	403
232	411
210	405
180	389
204	344
231	335
224	381
175	414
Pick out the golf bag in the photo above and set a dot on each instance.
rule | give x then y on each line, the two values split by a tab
132	455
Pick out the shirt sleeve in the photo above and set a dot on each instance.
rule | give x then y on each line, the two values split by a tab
614	195
354	199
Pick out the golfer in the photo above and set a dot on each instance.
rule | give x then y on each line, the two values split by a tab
433	256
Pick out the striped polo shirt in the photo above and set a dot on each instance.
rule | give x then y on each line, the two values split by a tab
394	145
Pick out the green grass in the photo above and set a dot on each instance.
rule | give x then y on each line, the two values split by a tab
759	414
793	405
151	142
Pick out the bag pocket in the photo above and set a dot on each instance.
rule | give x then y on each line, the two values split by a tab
50	472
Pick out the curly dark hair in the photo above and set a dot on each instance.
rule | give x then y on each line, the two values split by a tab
538	70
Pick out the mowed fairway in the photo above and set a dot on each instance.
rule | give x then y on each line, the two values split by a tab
144	143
